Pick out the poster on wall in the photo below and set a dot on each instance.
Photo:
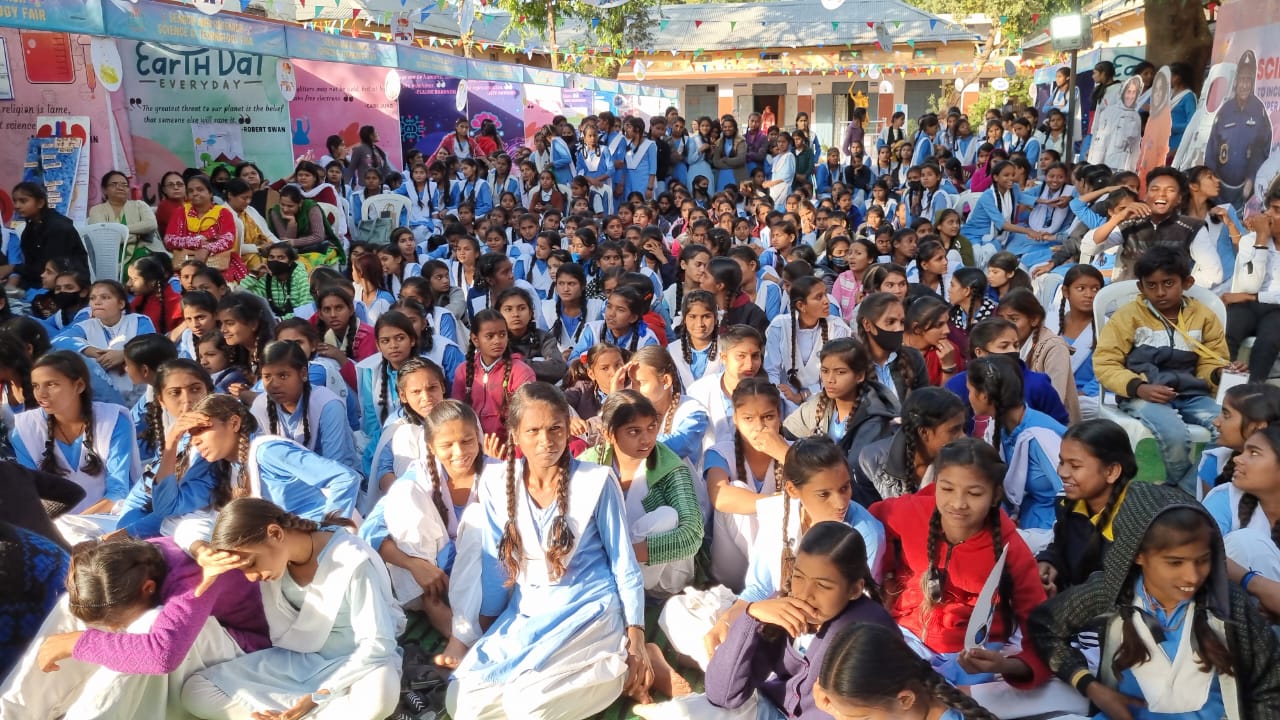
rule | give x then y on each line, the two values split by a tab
543	103
71	129
55	163
501	103
61	83
171	88
427	110
339	99
1218	85
1155	138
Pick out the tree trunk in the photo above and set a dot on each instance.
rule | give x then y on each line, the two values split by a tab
1178	32
954	97
551	35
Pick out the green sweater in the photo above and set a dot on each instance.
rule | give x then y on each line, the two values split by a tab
283	297
670	484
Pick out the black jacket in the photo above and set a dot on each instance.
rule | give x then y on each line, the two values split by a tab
53	235
542	353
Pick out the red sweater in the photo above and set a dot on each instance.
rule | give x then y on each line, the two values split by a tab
149	305
942	627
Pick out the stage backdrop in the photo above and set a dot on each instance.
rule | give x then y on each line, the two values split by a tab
501	102
1241	145
337	99
429	105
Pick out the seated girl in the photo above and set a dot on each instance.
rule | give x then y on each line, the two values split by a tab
868	671
556	565
329	610
106	331
623	323
1246	409
927	330
592	376
148	280
943	543
1178	638
1095	471
216	357
440	319
432	567
420	385
851	407
1075	325
1027	439
344	336
536	347
69	293
199	319
323	371
742	355
881	323
174	483
1042	350
275	468
662	514
499	372
90	443
246	323
568	314
695	346
376	375
904	462
143	355
290	407
129	633
1244	509
795	339
773	650
682	421
970	305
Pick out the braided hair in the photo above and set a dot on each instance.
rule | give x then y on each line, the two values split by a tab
153	431
348	336
245	521
248	309
1000	379
444	413
398	321
925	409
225	407
747	389
71	366
805	459
291	355
799	295
708	301
687	255
1258	405
1098	438
658	359
1022	301
156	278
487	315
15	358
981	457
852	354
149	352
637	306
426	340
1078	272
105	579
574	271
869	664
620	409
872	308
561	539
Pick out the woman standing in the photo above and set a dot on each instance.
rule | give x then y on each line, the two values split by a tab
697	156
367	155
729	156
134	214
204	231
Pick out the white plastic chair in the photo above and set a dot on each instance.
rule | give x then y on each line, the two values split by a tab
104	242
1105	303
385	202
337	219
1047	288
967	197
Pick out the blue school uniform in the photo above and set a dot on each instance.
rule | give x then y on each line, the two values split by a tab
1042	484
152	501
931	203
54	323
679	170
476	192
688	429
1086	381
640	164
985	225
725	177
331	436
370	382
561	161
762	581
825	177
1037	391
119	455
1184	108
301	481
768	296
923	151
597	332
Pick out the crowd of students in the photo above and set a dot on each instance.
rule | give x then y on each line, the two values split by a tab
799	409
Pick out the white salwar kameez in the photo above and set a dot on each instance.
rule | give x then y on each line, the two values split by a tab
558	647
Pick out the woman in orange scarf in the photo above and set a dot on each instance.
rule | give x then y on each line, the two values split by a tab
204	231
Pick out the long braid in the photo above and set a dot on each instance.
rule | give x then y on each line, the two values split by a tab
273	418
932	580
906	371
385	375
437	495
670	419
429	331
154	431
680	291
511	546
306	414
997	422
824	404
739	457
788	557
863	389
686	346
1248	505
260	346
506	382
353	325
92	460
793	374
49	463
164	315
471	375
910	434
1062	315
558	326
635	336
947	694
241	488
561	536
974	302
289	521
1113	503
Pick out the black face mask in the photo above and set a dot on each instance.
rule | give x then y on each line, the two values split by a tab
66	300
890	340
278	267
1013	355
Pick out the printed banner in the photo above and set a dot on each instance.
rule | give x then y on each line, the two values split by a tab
172	88
1244	134
431	63
82	16
495	72
72	184
310	45
543	103
428	109
538	76
180	25
338	99
49	74
501	102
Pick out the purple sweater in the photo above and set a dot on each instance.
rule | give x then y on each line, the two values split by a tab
746	661
234	601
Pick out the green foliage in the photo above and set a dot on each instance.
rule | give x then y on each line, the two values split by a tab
1017	18
613	33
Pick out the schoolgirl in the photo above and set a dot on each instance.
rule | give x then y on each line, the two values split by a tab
199	319
993	218
90	443
376	375
758	282
152	294
592	377
394	267
1050	214
538	348
346	337
1096	472
683	421
330	613
849	408
290	407
421	385
216	357
970	302
368	278
742	470
772	652
868	671
557	565
494	273
742	356
425	202
434	346
888	278
794	340
570	311
323	371
663	519
904	462
541	275
943	543
437	313
1176	635
623	324
846	291
898	368
1041	349
1005	274
695	350
247	325
925	199
691	270
70	296
499	371
106	331
462	268
927	331
734	305
959	249
129	632
595	162
1080	286
143	355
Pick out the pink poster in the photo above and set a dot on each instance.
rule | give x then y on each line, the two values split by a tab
51	74
338	99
